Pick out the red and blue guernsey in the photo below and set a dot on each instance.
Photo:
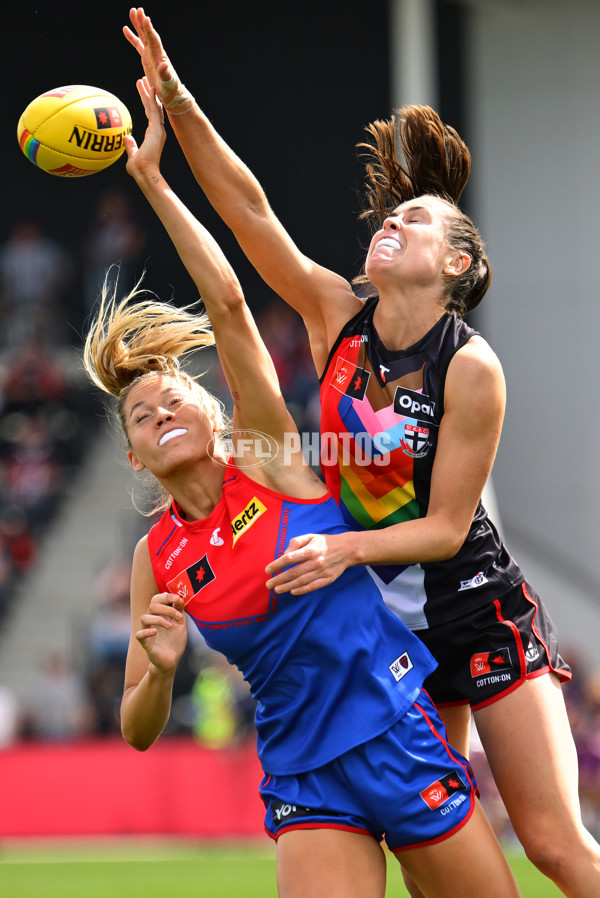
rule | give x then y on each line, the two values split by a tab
329	670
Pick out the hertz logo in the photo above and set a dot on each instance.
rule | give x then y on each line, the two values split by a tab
246	518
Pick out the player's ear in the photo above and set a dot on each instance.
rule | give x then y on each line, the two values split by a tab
457	263
135	463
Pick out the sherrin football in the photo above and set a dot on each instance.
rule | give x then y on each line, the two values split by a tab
74	131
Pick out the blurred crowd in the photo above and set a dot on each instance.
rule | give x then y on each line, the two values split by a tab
46	419
47	415
45	423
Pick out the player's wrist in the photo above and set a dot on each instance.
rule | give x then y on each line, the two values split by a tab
161	673
354	548
183	102
146	175
175	96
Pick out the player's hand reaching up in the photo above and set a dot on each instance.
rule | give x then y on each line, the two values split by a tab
147	156
157	67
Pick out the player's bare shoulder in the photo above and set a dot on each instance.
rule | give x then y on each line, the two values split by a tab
477	359
475	376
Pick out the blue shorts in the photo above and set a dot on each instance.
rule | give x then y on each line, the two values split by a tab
408	786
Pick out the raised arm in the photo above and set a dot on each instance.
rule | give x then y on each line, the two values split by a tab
324	299
247	366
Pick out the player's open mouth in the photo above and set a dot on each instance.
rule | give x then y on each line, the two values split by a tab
389	242
179	431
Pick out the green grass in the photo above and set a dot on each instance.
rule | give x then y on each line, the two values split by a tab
181	870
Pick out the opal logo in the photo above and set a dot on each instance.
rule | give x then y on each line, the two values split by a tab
414	405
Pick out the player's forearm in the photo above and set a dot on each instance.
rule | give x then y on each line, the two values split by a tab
228	183
428	539
197	249
146	707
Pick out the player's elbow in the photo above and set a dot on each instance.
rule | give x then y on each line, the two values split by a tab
449	549
228	300
136	740
137	730
451	538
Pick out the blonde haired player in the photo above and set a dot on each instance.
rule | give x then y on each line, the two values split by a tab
351	746
417	520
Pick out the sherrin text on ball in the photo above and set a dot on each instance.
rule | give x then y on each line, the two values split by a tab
74	131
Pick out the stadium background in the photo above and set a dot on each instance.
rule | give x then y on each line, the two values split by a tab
291	88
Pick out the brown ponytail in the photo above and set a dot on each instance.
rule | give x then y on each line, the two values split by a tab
412	154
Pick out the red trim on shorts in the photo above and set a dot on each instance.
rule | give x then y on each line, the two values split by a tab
319	825
459	761
496	698
540	673
522	662
454	755
562	675
441	838
517	637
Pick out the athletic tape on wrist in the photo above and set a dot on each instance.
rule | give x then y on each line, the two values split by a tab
181	98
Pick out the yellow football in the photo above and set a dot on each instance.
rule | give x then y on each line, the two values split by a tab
74	131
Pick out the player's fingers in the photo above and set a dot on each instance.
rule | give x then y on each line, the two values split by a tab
142	89
130	144
133	39
306	581
295	556
168	598
166	72
152	105
157	607
284	578
156	620
309	587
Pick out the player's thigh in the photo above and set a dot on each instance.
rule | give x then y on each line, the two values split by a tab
457	720
530	749
329	863
469	864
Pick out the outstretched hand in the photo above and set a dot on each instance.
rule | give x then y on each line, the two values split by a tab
157	67
149	153
317	560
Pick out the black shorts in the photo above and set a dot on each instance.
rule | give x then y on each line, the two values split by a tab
490	652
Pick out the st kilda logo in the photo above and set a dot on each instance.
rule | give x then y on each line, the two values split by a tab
419	409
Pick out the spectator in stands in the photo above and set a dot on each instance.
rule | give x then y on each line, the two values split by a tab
58	706
35	272
9	717
115	238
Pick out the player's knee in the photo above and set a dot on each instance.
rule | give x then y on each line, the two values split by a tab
552	855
